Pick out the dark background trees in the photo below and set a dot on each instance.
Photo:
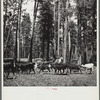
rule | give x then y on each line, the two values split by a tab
59	28
25	35
46	27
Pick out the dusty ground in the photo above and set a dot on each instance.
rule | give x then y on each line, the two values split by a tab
51	79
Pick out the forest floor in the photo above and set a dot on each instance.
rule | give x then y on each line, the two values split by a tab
51	79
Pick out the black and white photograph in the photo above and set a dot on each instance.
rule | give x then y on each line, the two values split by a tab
50	43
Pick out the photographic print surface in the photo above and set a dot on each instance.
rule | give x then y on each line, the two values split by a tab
50	43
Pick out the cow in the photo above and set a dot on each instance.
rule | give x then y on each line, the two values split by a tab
10	67
42	66
60	60
89	66
28	66
74	67
65	66
38	60
59	67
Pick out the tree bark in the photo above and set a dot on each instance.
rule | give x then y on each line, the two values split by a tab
94	25
70	55
43	48
15	52
48	49
33	26
79	30
58	28
65	35
18	49
5	49
54	31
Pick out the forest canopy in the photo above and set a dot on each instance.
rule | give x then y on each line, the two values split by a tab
50	29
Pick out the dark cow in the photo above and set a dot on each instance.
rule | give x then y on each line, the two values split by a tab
10	67
59	67
28	66
43	66
74	67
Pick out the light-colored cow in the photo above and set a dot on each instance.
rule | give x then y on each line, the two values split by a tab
59	60
89	66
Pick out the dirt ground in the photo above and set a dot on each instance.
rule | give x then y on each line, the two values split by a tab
51	79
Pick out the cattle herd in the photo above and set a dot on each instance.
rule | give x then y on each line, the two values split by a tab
56	67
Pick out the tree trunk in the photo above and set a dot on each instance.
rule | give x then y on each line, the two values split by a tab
58	28
87	55
69	40
70	55
6	43
79	60
19	24
94	23
65	36
85	61
48	49
5	14
15	52
54	54
43	48
33	26
69	45
79	30
5	32
48	40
